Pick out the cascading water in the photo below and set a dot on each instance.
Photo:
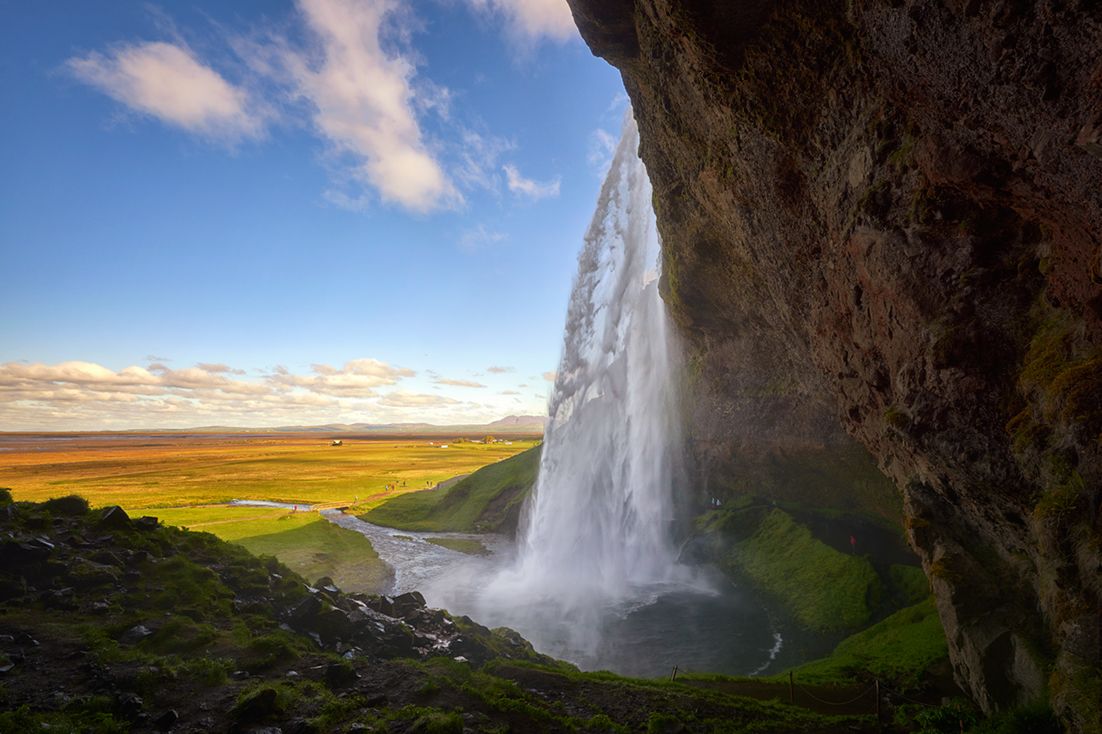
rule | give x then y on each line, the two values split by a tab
597	524
595	579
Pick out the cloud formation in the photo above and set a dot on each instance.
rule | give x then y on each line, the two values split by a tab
532	19
357	378
350	75
498	370
166	81
84	395
363	101
457	383
479	238
535	190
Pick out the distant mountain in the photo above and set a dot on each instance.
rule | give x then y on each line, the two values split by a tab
520	422
509	424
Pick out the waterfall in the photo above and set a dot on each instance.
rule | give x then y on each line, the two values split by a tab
594	540
597	523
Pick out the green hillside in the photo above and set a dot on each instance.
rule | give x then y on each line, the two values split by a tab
488	500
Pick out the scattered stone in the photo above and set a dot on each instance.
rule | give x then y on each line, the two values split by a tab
147	522
114	518
405	604
302	726
339	675
167	720
135	634
129	705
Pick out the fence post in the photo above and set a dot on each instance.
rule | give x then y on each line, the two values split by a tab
878	703
673	676
791	689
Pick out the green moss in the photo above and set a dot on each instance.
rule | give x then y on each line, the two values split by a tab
909	582
825	589
901	648
487	501
897	418
1062	500
469	546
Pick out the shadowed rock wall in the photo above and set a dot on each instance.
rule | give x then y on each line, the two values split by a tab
894	209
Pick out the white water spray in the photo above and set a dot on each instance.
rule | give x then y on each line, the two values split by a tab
598	521
595	538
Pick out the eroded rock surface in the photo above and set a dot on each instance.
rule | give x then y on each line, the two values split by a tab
895	209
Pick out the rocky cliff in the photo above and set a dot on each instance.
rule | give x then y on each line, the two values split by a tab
895	207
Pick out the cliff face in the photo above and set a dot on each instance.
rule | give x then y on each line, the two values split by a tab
896	207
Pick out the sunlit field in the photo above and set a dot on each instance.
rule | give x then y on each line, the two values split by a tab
143	473
188	481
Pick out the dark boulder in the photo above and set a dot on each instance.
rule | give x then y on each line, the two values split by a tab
114	518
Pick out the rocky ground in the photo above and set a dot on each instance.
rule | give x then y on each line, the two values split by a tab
111	624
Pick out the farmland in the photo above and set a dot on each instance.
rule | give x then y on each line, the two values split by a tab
188	480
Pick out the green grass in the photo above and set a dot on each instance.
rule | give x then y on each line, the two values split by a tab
463	545
487	500
824	589
320	548
304	541
901	648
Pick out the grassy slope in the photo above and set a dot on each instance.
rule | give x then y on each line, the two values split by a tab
320	548
902	649
823	588
304	541
187	590
487	500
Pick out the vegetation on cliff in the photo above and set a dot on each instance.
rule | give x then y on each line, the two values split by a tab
110	624
489	500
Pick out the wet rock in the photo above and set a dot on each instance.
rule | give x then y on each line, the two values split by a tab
114	518
147	522
135	634
302	726
340	675
408	603
129	705
326	584
166	720
18	555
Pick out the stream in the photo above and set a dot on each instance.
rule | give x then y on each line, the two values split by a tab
692	626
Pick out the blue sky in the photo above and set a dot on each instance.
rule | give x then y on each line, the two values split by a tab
259	213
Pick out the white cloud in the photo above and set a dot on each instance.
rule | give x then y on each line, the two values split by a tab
532	19
479	238
550	376
79	395
457	383
166	81
363	101
518	184
356	378
476	160
415	400
498	370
